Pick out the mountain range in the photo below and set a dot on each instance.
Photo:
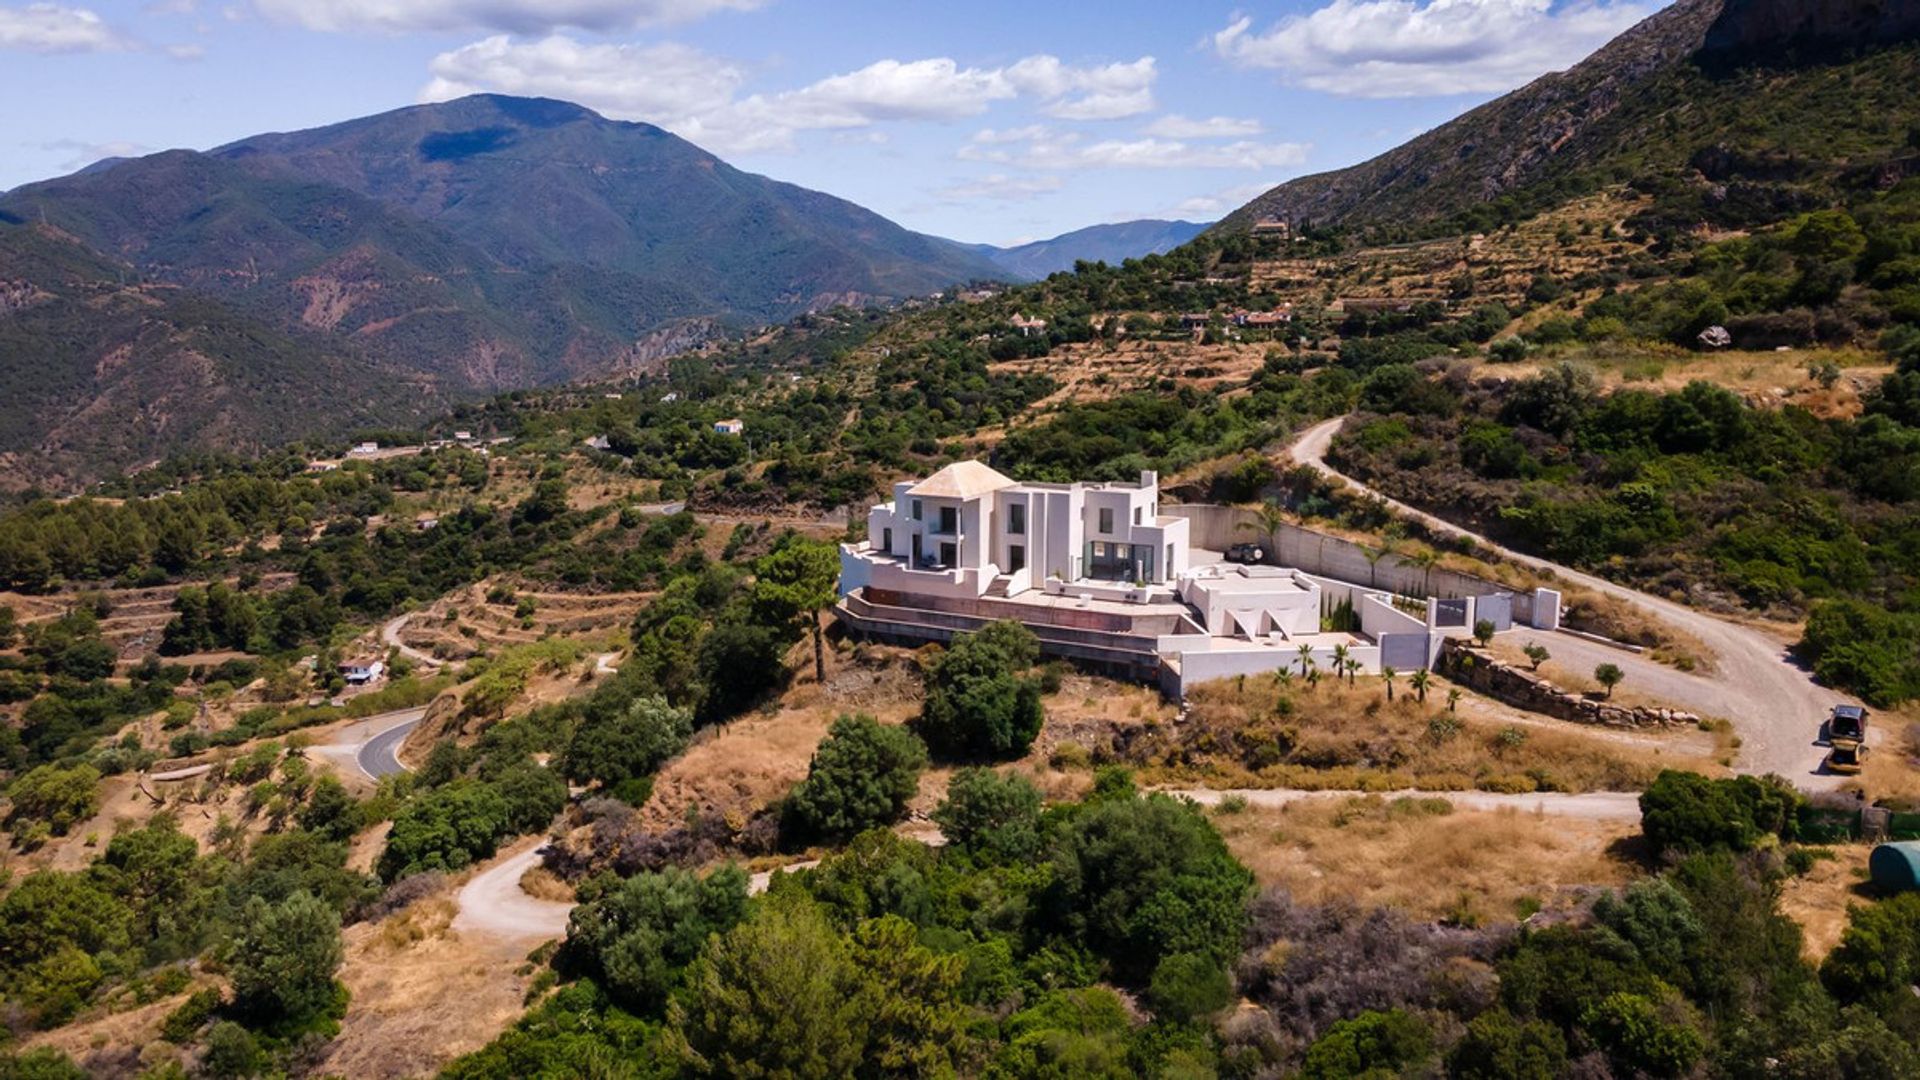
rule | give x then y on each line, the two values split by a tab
375	271
1113	244
455	249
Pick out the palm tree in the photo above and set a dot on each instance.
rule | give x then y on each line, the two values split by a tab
1426	559
1283	677
1353	671
1419	681
1373	555
1306	657
1269	517
1387	675
1453	697
1340	654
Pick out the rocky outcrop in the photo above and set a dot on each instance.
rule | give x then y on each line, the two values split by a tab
1480	670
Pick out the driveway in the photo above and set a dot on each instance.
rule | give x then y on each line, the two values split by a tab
1774	705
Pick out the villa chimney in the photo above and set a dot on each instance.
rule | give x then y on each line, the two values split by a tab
1149	478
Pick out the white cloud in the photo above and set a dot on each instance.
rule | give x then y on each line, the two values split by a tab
1412	48
1000	188
1219	203
80	154
696	95
991	136
1070	150
1175	126
1108	92
50	28
513	16
665	84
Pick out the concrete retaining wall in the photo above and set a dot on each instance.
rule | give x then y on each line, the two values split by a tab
1217	528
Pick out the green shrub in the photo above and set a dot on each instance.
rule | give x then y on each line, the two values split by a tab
861	777
981	704
1373	1044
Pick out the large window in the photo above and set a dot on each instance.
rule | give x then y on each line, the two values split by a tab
916	510
949	521
1106	521
1016	558
1017	519
1120	562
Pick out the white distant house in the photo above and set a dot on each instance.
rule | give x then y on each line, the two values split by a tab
729	427
669	397
365	449
360	672
463	436
1029	327
599	442
1103	576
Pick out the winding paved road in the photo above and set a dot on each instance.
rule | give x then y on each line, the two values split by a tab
1775	707
372	744
380	755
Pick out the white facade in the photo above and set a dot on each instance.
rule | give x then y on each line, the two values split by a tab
967	527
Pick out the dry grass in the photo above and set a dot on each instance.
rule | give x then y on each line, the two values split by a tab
748	764
1768	379
543	884
1610	616
1819	899
1256	733
1893	767
426	920
115	1044
1425	858
421	994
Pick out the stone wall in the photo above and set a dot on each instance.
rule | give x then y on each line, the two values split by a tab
1470	666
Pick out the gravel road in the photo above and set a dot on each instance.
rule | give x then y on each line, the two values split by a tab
1774	705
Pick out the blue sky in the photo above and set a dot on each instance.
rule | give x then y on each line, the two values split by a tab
995	120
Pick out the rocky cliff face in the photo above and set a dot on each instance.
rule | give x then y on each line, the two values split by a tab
1767	30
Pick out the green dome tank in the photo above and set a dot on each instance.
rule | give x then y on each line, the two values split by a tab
1896	867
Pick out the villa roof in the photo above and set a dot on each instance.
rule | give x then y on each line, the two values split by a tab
961	480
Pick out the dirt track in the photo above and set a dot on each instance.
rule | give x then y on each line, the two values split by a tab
1774	705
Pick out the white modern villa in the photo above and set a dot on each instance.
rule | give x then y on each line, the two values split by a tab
1103	574
967	531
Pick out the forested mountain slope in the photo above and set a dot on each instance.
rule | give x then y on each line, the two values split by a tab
102	368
